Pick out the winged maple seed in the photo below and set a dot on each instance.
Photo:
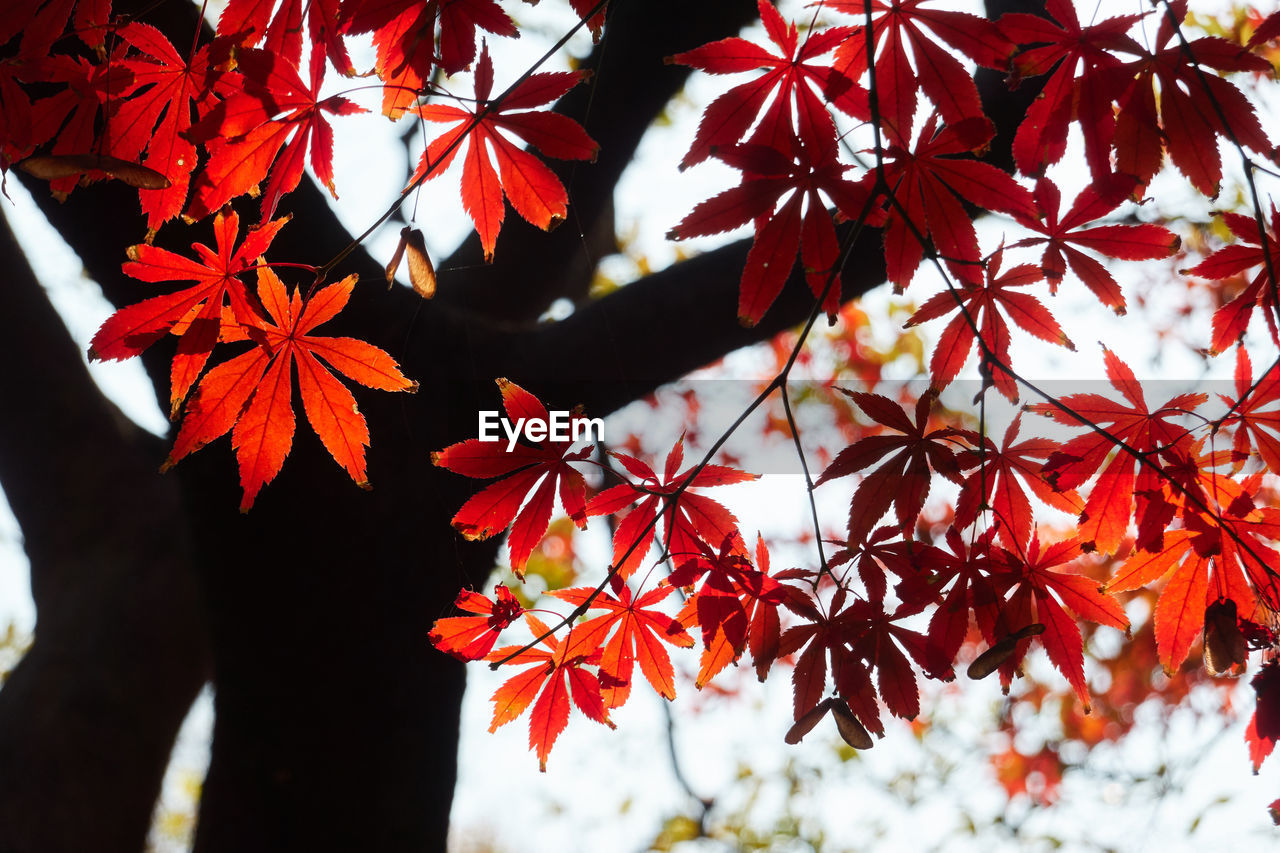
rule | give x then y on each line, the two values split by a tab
56	166
422	273
991	660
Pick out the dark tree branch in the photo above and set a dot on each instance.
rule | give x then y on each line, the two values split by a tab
655	330
88	716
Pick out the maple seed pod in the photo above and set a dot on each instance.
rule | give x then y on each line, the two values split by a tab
1225	650
807	721
990	660
853	732
422	273
55	166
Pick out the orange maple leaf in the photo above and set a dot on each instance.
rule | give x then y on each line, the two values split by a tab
253	392
640	628
195	314
532	188
554	676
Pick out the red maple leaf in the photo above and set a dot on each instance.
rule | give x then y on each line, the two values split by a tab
801	225
472	637
723	606
1105	519
928	184
817	637
73	116
639	636
1268	30
1128	242
879	553
532	188
156	115
404	34
903	480
1218	555
905	26
42	22
874	636
1063	46
795	88
1000	482
253	392
986	308
132	329
1232	320
279	117
1058	598
688	519
15	113
27	125
1255	426
1264	725
524	469
596	23
552	678
1193	101
1179	615
251	22
764	628
974	591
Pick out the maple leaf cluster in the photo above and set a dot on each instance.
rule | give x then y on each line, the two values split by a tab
869	120
1151	492
242	114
